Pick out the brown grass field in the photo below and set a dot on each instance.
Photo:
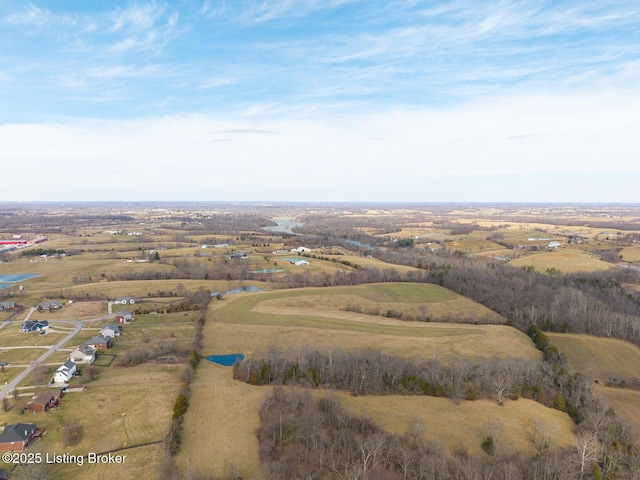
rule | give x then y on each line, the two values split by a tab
599	358
565	260
624	401
121	407
238	324
223	417
605	360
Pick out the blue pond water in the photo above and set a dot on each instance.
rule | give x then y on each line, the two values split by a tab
268	270
17	277
226	360
248	288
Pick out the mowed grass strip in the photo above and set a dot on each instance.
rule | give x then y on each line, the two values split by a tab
428	341
597	357
324	307
220	424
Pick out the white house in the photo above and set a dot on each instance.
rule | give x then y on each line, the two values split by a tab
300	263
83	354
110	331
301	250
554	244
65	372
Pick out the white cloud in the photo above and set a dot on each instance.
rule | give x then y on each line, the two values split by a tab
392	154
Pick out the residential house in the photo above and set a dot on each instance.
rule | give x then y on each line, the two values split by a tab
43	401
554	244
65	372
8	306
111	331
125	300
238	255
34	326
48	306
17	437
123	317
99	342
83	354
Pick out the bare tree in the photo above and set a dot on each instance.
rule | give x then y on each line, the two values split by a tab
539	435
588	449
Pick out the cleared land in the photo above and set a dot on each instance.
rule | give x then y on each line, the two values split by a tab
567	261
121	407
249	323
606	360
602	359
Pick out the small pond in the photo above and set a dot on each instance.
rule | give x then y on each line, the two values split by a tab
248	288
268	270
226	360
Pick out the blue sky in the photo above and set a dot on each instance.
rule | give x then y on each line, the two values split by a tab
320	100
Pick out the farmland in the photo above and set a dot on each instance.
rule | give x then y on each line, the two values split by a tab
387	284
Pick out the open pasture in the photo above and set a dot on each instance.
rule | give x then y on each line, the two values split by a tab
474	421
625	402
318	305
230	409
599	358
565	260
121	407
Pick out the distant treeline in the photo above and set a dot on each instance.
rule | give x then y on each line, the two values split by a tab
36	252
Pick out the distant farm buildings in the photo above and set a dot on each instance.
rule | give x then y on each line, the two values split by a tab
125	300
238	255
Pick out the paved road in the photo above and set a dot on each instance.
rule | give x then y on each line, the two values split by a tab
8	388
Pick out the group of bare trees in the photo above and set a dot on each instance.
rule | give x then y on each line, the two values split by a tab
604	443
372	372
300	437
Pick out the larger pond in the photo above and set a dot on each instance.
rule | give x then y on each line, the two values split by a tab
284	225
17	277
226	360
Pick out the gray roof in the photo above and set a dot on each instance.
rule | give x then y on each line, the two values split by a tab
69	364
18	432
97	340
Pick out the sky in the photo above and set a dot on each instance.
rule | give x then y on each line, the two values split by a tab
320	100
